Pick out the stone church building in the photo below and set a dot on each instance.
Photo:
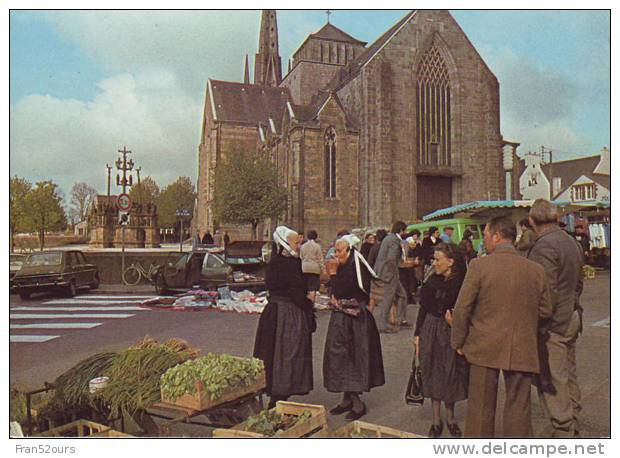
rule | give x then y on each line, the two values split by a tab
362	134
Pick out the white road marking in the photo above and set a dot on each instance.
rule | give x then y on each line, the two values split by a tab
15	339
86	296
79	309
53	316
55	326
606	323
96	302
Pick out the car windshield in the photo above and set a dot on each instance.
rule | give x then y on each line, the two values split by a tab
44	259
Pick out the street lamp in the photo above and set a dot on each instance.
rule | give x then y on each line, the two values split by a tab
181	213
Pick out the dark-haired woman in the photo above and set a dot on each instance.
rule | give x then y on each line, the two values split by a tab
284	334
352	361
444	373
467	246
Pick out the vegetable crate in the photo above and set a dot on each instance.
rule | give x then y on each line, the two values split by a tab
202	401
82	428
361	429
315	426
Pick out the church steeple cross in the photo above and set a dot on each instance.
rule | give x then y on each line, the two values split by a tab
329	13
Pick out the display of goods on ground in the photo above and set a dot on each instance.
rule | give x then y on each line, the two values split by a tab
133	381
211	380
286	420
362	430
82	428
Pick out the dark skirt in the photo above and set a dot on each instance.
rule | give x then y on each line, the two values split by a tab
445	374
284	343
352	361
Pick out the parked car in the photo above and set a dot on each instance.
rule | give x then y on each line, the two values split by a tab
15	263
66	271
240	266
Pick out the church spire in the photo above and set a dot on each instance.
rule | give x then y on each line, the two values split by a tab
246	71
267	63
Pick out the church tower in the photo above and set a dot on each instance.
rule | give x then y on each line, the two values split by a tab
267	64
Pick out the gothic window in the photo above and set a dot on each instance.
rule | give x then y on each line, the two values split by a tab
433	103
330	162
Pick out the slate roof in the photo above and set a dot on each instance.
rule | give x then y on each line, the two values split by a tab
330	32
572	169
247	103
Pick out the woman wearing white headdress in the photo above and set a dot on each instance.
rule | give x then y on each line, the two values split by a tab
284	334
352	361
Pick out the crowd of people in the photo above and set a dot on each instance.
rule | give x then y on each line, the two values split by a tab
514	309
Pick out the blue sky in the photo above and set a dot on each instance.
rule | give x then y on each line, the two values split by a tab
84	83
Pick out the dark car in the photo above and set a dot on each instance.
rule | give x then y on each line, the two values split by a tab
56	270
15	263
240	266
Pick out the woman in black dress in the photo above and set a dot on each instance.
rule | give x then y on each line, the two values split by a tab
444	373
284	334
352	362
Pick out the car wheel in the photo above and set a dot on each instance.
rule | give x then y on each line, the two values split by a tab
24	294
71	289
95	283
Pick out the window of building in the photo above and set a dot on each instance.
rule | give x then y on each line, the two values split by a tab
557	184
330	162
583	192
433	104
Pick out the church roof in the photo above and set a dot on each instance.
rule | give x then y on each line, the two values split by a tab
330	32
246	103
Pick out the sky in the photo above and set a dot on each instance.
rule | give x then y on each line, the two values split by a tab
83	84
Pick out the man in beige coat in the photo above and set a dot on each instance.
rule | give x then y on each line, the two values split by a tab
495	325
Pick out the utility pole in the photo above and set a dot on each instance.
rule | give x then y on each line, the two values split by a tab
542	156
109	167
139	187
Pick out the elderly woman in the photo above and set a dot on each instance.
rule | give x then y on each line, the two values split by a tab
352	362
284	334
444	373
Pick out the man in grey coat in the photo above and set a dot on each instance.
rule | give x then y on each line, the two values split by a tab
386	267
562	258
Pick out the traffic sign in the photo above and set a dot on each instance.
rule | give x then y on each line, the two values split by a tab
124	202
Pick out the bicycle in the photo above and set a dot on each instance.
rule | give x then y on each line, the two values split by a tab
136	271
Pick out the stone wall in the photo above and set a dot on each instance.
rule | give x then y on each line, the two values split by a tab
109	262
307	78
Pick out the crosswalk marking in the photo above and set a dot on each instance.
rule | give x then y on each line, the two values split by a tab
55	326
78	309
94	302
51	316
62	315
37	339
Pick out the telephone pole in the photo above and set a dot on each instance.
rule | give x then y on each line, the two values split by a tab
544	152
125	166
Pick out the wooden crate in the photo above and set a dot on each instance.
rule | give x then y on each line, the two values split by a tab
201	400
372	431
78	428
110	433
316	424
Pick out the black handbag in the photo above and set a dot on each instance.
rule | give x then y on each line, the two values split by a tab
413	395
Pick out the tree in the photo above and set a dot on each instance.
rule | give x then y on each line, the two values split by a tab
82	199
177	195
44	211
146	191
18	189
247	189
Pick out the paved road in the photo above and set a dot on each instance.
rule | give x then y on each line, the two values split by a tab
51	334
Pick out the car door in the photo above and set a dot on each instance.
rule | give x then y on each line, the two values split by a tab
71	268
174	270
214	270
87	271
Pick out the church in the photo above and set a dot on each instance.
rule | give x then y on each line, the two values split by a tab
362	134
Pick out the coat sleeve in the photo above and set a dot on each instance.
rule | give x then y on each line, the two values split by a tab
545	309
464	306
546	257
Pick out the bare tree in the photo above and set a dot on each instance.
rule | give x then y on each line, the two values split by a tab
82	198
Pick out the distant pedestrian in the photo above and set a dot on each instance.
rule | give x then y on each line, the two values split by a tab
446	237
217	238
527	239
583	238
429	243
369	241
311	264
207	239
495	325
386	267
562	259
466	246
226	239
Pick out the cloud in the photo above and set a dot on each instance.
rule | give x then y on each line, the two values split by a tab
72	140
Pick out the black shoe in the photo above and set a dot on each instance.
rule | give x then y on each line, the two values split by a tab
435	430
353	415
454	429
340	409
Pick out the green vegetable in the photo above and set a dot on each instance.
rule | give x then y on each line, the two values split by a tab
269	423
214	372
